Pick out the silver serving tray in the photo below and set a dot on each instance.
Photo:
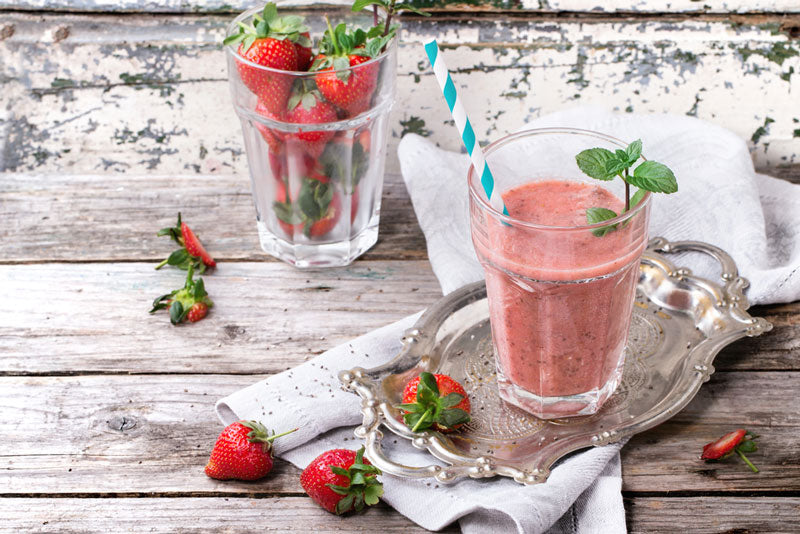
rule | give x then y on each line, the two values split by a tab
680	322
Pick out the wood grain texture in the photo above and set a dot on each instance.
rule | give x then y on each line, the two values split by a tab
713	515
267	317
516	6
115	217
136	94
164	452
709	515
189	516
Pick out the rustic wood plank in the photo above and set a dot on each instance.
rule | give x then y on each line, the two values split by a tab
187	515
163	80
666	458
713	515
534	6
97	317
707	515
115	217
79	318
166	449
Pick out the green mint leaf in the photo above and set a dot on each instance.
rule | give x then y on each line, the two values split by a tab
598	215
637	197
358	5
407	7
617	164
593	163
634	151
655	177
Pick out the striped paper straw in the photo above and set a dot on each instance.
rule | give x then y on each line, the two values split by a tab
462	123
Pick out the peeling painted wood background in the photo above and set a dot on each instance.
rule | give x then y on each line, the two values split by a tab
104	93
105	109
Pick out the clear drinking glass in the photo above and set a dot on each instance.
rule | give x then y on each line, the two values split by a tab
560	297
316	187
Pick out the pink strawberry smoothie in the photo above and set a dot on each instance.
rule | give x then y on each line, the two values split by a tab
560	299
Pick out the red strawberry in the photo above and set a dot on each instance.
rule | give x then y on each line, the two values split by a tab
310	108
273	137
269	41
243	451
343	78
190	302
304	54
191	252
197	312
739	441
342	480
434	401
352	89
195	247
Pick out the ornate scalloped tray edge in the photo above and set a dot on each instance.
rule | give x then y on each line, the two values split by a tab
680	323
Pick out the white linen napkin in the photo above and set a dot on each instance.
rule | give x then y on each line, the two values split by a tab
721	201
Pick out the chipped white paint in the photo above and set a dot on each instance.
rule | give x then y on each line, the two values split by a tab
137	94
593	6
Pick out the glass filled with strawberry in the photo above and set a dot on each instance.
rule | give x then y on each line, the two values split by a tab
313	92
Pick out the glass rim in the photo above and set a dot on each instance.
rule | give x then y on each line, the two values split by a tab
234	50
478	195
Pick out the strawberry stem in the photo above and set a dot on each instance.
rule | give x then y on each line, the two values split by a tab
748	462
163	263
333	37
272	437
425	415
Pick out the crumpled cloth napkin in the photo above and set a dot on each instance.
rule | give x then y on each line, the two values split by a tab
721	201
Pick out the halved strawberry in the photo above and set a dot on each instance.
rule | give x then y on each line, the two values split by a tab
739	441
191	252
195	247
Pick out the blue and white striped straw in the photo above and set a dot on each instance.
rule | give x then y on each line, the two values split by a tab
463	125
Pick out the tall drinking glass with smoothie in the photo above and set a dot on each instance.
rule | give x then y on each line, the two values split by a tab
562	266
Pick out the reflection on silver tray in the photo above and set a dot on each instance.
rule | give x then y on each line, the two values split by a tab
680	323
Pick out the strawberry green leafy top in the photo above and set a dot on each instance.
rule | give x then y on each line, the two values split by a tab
269	24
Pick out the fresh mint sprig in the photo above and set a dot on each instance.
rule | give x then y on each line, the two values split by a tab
603	164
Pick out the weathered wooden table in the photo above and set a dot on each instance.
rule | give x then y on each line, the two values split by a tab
115	115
